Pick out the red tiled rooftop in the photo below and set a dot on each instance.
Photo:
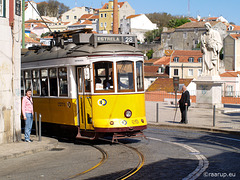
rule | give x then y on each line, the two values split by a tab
230	74
196	24
185	54
166	84
162	61
235	36
86	16
133	16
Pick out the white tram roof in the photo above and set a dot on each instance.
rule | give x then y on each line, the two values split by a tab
98	45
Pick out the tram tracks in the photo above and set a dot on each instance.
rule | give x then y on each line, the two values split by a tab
105	157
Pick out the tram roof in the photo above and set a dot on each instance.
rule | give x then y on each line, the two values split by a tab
93	48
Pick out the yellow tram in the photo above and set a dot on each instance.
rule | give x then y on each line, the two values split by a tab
90	87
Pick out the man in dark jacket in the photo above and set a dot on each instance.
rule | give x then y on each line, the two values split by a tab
184	103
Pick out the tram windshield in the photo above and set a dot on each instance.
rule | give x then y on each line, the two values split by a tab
103	73
125	76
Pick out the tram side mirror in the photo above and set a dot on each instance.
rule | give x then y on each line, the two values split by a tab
87	73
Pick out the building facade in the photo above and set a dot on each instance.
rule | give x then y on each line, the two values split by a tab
74	14
231	49
106	15
188	36
136	24
10	92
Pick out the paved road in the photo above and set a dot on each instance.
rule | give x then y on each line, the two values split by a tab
169	154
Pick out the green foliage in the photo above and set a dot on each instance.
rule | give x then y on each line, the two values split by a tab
151	35
150	54
198	45
161	19
45	34
176	22
51	8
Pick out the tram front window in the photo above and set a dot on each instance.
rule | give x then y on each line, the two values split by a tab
140	84
103	73
125	76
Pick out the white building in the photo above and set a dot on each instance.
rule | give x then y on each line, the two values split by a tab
10	92
74	14
30	12
136	24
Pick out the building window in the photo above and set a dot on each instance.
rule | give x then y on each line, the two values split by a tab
112	16
101	24
168	36
185	35
105	24
75	17
111	24
175	72
105	15
199	72
67	17
101	15
190	72
200	59
2	8
176	59
229	91
191	59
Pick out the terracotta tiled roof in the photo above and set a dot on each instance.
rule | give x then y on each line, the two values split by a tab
230	74
40	26
86	16
94	17
133	16
47	37
235	36
171	30
196	24
152	71
27	26
30	40
150	61
192	19
185	54
36	21
119	3
162	61
235	27
76	23
166	84
87	22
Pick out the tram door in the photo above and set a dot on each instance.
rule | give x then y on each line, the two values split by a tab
84	98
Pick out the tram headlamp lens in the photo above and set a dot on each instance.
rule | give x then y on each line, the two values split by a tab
128	113
142	120
111	123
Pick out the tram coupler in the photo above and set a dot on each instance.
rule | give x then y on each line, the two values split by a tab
126	135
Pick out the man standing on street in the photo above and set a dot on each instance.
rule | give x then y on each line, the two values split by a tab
27	111
184	103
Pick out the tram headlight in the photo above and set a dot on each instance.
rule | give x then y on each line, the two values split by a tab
111	123
128	113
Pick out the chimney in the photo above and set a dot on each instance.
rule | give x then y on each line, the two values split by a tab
115	17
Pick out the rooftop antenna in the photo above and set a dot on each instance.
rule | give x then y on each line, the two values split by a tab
188	8
75	3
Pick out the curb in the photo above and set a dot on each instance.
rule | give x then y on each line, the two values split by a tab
51	144
210	129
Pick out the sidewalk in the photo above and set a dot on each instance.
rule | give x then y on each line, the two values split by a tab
198	118
21	148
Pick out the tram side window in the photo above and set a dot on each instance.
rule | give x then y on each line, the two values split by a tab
28	79
63	83
125	76
53	82
44	82
140	82
35	83
103	73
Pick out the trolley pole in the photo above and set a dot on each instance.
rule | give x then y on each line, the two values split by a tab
157	113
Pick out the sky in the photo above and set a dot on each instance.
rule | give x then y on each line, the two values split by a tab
229	9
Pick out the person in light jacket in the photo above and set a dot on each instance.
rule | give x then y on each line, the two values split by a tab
27	111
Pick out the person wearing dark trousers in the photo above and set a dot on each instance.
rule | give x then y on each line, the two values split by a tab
184	103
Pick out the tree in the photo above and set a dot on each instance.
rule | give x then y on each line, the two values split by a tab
151	35
51	8
150	54
176	22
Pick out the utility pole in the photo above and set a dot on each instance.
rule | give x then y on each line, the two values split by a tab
23	24
188	8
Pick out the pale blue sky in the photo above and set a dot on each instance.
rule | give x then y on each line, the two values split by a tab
229	9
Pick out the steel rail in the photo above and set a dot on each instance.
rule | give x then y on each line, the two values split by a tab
104	158
138	166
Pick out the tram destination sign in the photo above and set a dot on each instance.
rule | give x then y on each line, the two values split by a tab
116	39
